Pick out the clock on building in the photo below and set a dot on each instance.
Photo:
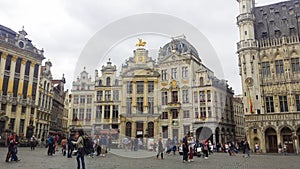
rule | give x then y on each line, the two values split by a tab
249	81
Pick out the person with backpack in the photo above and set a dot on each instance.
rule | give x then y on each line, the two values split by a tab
50	145
80	146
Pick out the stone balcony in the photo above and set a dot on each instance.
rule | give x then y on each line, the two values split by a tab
244	17
174	105
246	44
273	117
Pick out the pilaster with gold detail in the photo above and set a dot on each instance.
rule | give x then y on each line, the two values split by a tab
12	74
22	70
2	68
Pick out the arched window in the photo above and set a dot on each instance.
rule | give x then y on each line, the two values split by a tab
201	81
100	83
128	129
150	129
108	81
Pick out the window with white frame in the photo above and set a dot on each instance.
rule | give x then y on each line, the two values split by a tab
186	114
174	73
185	96
184	72
164	74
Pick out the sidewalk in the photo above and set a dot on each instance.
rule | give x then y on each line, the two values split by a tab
133	154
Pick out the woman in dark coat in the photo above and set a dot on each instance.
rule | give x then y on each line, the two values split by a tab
160	149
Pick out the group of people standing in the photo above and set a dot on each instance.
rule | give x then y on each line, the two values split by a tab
133	144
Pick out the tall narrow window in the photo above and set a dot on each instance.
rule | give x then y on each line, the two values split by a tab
88	116
298	102
108	81
203	112
209	112
150	86
208	96
82	99
15	87
174	73
202	96
99	95
74	115
164	98
89	99
140	102
279	67
151	105
106	111
195	97
22	123
283	104
140	87
75	100
81	114
27	68
99	112
115	95
107	95
201	81
186	114
129	87
25	88
165	131
36	71
269	104
266	69
196	113
184	72
128	105
185	96
18	65
295	65
164	74
174	96
174	114
164	115
8	63
115	114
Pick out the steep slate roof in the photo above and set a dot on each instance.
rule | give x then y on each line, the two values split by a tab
276	20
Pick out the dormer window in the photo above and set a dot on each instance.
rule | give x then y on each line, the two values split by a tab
108	81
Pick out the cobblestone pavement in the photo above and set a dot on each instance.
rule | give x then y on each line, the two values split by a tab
39	160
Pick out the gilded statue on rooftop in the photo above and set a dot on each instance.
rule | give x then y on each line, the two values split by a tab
141	43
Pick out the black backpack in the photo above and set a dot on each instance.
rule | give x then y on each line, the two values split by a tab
86	145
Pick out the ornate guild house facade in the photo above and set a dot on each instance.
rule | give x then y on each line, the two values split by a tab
268	52
19	82
165	98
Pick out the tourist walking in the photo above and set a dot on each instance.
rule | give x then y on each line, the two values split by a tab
205	149
80	151
50	145
185	148
247	148
70	146
12	148
160	149
32	142
103	144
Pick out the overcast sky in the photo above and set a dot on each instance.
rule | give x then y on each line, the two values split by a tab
63	28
